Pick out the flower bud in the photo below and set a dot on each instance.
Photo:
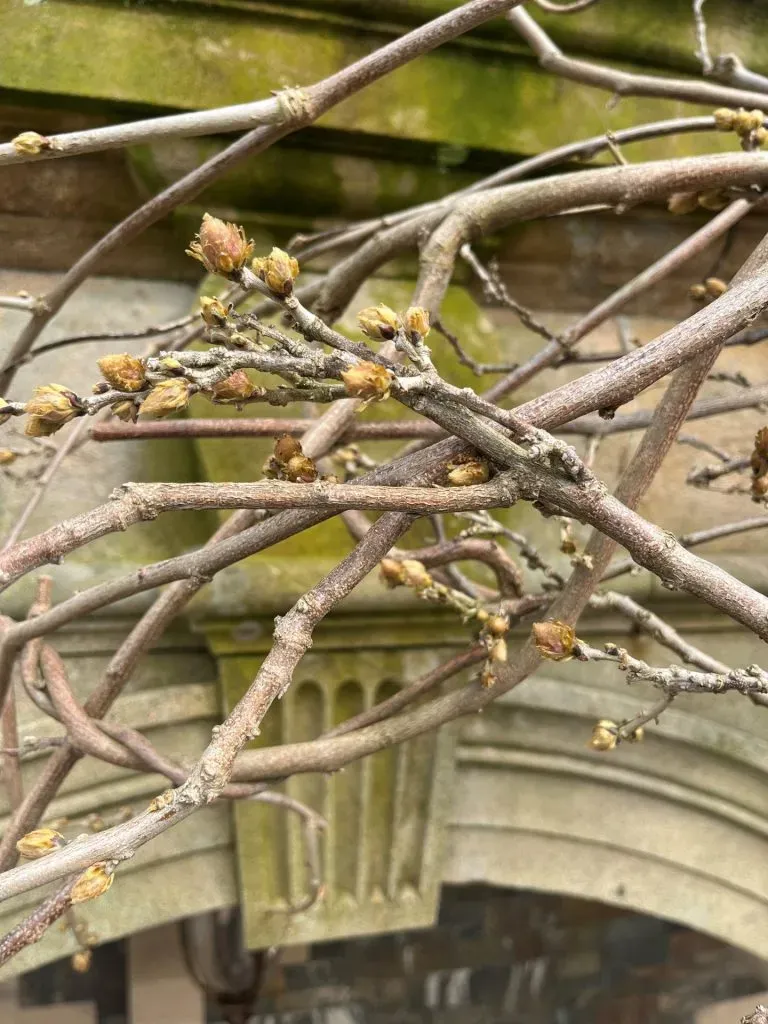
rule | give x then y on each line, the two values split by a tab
81	961
7	456
760	136
468	473
171	365
697	292
724	119
39	843
715	287
286	447
746	121
605	735
31	143
498	650
93	882
301	469
221	247
416	321
683	202
415	575
637	736
126	411
53	405
380	323
392	572
715	200
166	396
554	640
213	312
125	372
278	271
497	625
368	381
234	388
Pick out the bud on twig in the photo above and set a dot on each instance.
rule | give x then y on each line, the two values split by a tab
415	574
468	473
301	469
32	143
416	322
166	397
81	961
683	202
237	387
715	287
39	843
213	312
93	882
392	572
286	447
368	381
605	735
221	247
379	323
554	640
278	271
123	372
51	406
126	411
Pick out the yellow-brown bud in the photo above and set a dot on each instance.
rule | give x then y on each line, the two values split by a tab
498	650
126	411
237	387
93	882
637	736
301	469
286	447
31	143
497	625
368	381
746	121
7	456
392	572
415	575
724	119
554	640
605	735
468	473
124	372
54	405
213	312
380	323
683	202
166	397
221	247
697	292
39	843
278	271
715	287
81	961
416	321
760	136
714	200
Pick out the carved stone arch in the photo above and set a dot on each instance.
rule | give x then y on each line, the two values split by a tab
675	827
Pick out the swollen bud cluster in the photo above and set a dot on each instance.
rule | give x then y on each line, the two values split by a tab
278	271
368	381
221	247
288	462
555	641
51	406
166	397
380	323
747	124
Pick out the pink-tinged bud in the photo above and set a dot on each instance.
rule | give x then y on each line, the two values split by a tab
380	323
166	397
124	372
278	271
221	247
237	387
368	381
554	640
